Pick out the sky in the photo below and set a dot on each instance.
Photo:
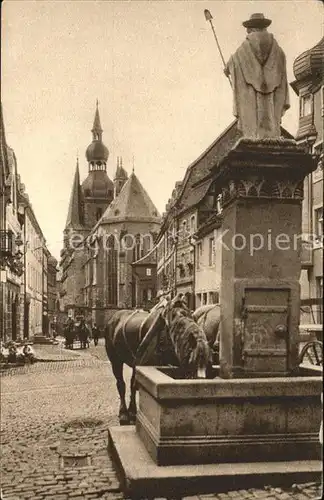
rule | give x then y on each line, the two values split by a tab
156	71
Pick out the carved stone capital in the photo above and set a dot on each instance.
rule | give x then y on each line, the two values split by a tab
262	188
269	168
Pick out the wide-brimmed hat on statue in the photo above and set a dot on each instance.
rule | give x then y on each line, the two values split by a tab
257	21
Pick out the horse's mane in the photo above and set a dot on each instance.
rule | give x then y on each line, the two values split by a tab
188	338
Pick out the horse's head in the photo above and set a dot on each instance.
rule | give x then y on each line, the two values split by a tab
188	339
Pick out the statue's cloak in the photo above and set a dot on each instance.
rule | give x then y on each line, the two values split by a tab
258	71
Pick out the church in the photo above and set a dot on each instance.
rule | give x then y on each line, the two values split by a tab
109	226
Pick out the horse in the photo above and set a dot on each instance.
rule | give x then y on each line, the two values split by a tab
69	333
83	334
165	335
208	318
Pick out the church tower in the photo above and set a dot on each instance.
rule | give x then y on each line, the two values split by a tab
121	177
75	217
97	188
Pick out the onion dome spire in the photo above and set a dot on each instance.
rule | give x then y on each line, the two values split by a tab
97	153
97	129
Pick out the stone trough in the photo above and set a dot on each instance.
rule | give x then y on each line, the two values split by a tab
237	420
195	436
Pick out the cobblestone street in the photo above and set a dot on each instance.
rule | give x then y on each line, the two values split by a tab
59	409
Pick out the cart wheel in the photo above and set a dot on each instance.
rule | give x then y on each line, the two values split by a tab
312	353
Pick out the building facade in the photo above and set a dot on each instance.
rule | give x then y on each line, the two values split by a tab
144	281
10	241
208	261
52	293
34	286
309	86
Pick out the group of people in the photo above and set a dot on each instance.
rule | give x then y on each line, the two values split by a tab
80	330
14	353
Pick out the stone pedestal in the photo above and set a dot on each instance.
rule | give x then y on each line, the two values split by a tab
261	408
262	193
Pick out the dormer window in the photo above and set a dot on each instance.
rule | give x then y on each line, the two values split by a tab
306	105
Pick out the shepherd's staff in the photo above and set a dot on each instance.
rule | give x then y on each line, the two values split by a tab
209	18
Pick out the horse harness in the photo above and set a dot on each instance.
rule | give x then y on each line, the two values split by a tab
158	306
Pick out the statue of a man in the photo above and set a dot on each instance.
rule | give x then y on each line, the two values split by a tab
259	80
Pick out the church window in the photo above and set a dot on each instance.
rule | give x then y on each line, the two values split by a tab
306	102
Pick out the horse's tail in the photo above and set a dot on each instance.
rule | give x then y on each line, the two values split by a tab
109	333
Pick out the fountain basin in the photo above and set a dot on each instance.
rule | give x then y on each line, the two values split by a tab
235	420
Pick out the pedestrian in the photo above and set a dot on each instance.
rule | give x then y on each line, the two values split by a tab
95	334
28	353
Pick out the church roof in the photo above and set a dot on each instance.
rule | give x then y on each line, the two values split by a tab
74	217
132	204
